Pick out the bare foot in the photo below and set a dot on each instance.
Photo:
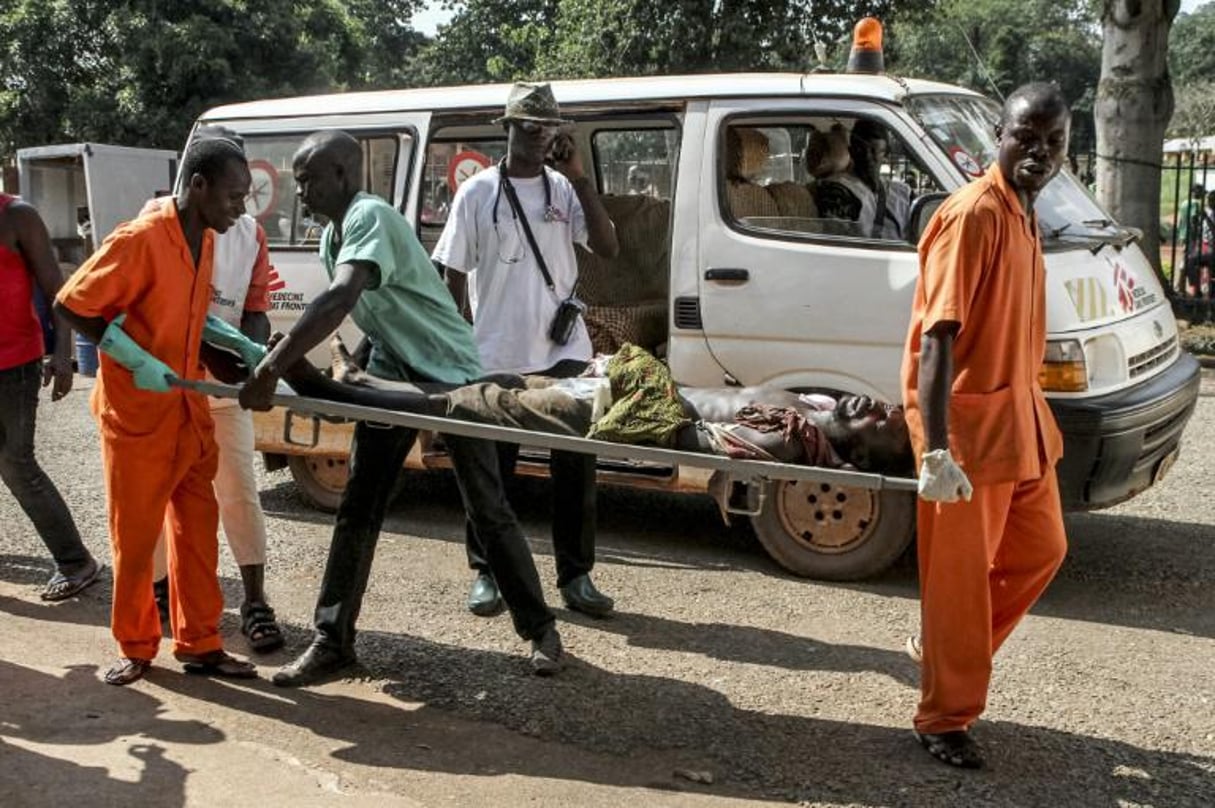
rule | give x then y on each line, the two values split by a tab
342	365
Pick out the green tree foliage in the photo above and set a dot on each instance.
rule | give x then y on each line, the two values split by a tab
1194	110
499	40
138	71
993	46
1192	47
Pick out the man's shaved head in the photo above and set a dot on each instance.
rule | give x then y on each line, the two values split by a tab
1042	97
333	145
328	168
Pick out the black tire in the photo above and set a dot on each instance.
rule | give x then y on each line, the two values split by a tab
834	533
322	478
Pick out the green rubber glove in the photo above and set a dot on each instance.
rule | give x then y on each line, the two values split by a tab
150	373
224	335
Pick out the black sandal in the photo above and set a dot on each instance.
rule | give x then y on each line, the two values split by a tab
257	622
217	663
62	587
955	748
127	670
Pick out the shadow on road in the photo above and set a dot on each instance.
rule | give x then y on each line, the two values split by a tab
753	646
78	709
650	723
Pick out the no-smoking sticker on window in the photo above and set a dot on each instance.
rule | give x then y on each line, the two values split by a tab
463	166
263	189
965	161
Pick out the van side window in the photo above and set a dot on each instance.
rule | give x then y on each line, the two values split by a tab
272	200
636	161
448	163
837	176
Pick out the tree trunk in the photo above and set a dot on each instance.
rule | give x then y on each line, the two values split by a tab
1133	107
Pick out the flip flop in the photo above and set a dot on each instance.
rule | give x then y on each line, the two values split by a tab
62	587
217	663
127	670
955	748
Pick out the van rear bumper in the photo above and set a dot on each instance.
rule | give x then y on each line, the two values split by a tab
1118	445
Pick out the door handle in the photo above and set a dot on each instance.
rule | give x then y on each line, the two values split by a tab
726	274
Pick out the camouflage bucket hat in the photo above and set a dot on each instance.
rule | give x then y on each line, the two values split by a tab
532	102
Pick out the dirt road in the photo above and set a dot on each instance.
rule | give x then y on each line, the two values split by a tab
718	664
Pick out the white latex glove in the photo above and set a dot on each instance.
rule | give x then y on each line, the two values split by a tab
942	479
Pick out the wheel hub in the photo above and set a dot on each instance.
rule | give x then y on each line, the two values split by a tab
330	472
827	518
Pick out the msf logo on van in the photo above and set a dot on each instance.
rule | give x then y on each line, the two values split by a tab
1096	297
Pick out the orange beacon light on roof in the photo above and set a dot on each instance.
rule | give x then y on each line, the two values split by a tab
866	56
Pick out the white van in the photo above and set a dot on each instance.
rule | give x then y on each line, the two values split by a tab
737	270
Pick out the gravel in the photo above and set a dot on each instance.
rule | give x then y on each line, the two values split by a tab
721	666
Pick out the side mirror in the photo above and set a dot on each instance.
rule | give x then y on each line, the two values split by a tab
921	213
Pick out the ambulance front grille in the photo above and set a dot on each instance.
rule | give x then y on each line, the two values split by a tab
1153	357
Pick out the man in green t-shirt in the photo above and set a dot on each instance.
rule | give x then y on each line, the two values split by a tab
382	277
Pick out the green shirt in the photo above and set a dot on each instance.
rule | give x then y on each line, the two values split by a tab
409	316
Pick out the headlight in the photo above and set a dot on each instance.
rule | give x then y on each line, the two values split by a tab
1063	370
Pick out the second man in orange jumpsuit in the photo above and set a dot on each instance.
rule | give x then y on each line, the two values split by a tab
977	417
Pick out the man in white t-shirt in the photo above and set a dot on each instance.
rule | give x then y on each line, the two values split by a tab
499	220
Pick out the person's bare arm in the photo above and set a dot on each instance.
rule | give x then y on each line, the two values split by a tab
457	284
35	245
934	383
319	320
601	235
255	325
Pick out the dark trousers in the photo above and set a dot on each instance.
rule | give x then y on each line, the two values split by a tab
377	455
20	471
574	502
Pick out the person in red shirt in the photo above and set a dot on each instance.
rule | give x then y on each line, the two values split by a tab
143	297
26	260
990	522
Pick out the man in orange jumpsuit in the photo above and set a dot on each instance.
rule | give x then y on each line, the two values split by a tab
977	415
143	297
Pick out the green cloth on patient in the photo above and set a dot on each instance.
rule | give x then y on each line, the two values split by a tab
646	408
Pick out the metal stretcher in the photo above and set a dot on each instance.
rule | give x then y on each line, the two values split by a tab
752	472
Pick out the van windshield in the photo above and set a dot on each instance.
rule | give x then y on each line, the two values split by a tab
964	127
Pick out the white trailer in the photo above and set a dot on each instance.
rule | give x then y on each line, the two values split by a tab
108	184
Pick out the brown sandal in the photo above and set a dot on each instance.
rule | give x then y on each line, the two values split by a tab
217	663
127	670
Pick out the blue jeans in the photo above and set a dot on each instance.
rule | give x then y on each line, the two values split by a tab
20	471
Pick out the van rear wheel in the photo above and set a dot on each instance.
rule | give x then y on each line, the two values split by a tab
322	478
833	532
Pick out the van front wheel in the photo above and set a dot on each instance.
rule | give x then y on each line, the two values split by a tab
833	532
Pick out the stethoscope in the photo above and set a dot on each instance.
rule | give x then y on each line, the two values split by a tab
504	182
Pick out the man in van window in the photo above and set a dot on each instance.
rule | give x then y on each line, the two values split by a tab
381	276
515	225
989	519
869	145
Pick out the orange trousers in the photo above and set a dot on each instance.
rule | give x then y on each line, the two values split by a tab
153	483
983	564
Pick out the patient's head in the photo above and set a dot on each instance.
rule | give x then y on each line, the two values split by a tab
870	435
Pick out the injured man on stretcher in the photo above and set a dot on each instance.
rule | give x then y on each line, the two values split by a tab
639	403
